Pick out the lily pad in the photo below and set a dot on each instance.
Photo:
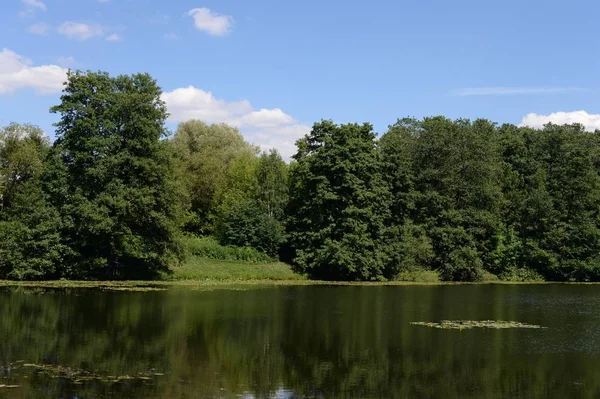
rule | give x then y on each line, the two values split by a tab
469	324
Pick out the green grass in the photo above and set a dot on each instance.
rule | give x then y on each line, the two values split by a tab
198	268
208	247
423	276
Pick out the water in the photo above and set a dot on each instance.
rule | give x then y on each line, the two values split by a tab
300	342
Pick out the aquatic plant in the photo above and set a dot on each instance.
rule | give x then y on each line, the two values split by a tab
79	376
469	324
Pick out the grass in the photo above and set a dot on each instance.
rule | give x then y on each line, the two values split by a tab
209	265
208	247
197	268
423	276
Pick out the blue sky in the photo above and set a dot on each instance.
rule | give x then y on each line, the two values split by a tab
272	68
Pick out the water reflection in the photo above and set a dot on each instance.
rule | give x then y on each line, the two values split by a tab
299	342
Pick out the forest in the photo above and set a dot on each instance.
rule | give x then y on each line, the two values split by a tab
117	195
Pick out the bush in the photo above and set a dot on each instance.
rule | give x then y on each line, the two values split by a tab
464	265
244	224
408	250
208	247
419	276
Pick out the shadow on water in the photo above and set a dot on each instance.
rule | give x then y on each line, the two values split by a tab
299	342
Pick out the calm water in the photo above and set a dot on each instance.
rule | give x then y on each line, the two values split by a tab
299	342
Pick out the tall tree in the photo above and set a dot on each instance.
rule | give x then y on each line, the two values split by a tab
338	204
114	182
444	179
558	218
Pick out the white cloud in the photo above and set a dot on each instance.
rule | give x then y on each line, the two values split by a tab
32	6
171	36
17	72
590	121
65	61
80	31
266	118
39	29
503	91
268	128
211	23
114	38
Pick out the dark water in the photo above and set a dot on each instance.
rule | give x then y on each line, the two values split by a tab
300	342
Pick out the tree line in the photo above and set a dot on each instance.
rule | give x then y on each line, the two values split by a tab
116	194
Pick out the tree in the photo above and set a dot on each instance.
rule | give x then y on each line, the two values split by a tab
31	247
23	149
252	203
444	180
113	180
557	217
338	204
272	184
205	154
245	223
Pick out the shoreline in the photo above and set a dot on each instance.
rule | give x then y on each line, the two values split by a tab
158	284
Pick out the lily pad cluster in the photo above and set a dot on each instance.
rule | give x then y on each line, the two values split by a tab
469	324
80	376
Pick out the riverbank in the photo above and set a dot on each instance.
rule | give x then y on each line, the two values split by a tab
155	285
205	272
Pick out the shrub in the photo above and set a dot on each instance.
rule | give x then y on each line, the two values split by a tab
208	247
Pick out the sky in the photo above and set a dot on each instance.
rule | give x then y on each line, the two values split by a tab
272	68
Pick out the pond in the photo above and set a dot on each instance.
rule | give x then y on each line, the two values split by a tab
300	342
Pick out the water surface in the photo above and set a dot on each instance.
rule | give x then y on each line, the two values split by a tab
299	342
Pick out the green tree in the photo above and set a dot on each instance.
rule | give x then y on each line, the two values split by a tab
205	153
30	244
252	203
31	247
113	179
23	149
444	180
245	223
338	204
272	184
557	215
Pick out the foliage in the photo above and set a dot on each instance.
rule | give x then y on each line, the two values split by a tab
338	203
444	176
418	276
208	247
30	243
114	177
272	184
244	224
251	203
457	200
409	249
200	268
209	158
554	196
23	149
